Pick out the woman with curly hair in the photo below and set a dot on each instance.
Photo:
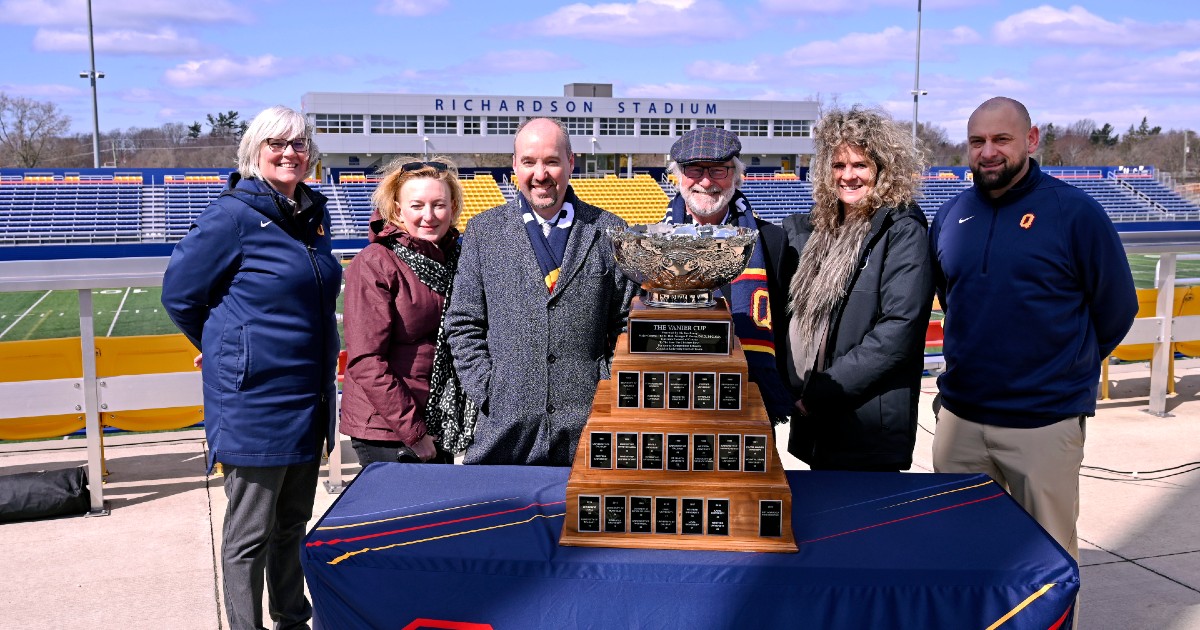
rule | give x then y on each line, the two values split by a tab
859	298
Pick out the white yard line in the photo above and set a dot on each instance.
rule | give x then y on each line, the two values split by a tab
117	313
17	320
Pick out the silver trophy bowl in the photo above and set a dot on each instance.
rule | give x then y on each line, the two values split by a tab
680	266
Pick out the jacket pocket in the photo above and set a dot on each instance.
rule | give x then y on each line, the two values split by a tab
242	367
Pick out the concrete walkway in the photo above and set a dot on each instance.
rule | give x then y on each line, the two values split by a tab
152	563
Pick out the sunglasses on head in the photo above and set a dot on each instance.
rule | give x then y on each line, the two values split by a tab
416	166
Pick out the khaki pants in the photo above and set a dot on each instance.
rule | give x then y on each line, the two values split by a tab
1038	467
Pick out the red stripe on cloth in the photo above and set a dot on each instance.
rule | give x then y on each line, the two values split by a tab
906	518
335	541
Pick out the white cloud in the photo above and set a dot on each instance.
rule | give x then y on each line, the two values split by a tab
808	7
516	61
672	90
1080	27
127	13
639	20
855	49
43	90
165	41
230	72
723	71
411	8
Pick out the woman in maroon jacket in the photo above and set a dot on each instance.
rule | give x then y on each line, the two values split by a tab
401	400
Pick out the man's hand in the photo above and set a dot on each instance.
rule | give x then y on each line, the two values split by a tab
198	360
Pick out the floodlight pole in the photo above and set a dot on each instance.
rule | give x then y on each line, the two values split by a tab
1186	149
92	76
916	91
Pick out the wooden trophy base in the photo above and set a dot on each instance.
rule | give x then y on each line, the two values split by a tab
678	452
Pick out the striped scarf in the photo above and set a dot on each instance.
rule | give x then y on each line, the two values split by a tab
750	301
549	251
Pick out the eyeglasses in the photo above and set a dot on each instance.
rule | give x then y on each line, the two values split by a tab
714	172
299	145
416	166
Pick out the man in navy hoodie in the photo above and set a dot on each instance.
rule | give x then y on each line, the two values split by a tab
1037	291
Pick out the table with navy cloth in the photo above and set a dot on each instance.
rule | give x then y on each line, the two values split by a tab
475	547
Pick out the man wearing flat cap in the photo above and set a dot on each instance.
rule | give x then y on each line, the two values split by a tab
705	163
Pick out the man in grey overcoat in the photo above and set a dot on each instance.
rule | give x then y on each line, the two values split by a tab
537	305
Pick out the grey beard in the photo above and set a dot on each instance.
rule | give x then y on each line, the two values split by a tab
819	285
717	209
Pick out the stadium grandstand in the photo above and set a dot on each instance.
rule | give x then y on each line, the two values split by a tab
94	206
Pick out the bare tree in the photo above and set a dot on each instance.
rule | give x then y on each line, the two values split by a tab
28	128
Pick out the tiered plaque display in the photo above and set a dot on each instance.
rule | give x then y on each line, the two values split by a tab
678	452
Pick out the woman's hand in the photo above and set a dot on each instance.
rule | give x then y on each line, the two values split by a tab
424	448
198	360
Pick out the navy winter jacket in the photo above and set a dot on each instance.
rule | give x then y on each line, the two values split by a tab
1037	290
255	289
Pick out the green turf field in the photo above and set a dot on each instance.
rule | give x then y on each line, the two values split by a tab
124	312
117	313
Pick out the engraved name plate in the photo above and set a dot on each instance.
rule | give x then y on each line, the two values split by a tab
628	388
679	336
704	390
641	515
729	394
666	510
691	519
677	451
614	514
718	517
729	452
679	385
770	518
703	451
627	451
589	513
652	451
601	449
654	390
755	457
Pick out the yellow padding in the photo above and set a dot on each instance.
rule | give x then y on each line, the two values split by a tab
40	360
144	354
1188	303
147	354
45	359
40	427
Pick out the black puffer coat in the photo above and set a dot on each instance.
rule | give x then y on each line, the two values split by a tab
862	402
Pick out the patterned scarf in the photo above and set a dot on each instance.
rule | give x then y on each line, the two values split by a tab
750	302
549	251
827	267
449	415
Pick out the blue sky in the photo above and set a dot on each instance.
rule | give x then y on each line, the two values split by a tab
173	61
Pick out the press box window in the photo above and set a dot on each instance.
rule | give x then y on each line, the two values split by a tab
442	125
656	126
502	125
793	128
338	123
710	122
683	126
391	123
616	126
578	126
748	127
471	126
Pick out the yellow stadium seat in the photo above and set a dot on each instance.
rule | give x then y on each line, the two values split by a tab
147	354
38	360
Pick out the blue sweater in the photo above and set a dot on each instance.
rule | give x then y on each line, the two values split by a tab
1037	291
256	289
